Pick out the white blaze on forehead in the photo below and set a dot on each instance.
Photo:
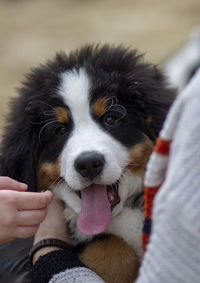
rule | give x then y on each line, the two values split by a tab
87	134
75	91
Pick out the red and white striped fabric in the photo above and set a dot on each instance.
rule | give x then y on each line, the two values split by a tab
156	169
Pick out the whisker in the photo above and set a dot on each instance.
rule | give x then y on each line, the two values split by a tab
57	179
124	112
118	107
113	99
48	113
122	175
53	121
45	103
67	187
39	123
58	183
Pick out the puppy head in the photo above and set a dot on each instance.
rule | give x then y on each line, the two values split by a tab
84	124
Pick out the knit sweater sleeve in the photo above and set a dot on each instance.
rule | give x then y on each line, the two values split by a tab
173	253
62	266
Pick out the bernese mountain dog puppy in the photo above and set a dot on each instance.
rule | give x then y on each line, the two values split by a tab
84	126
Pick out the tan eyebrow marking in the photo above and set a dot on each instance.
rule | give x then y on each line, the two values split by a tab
100	106
62	115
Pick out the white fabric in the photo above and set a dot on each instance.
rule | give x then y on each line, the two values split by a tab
76	275
173	254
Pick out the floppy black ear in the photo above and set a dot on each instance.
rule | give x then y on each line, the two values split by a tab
17	158
153	97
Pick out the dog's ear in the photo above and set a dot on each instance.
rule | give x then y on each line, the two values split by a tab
17	159
152	97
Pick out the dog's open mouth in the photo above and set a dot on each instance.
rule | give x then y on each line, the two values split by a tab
112	193
97	204
96	208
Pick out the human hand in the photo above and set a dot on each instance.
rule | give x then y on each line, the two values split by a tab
54	226
20	212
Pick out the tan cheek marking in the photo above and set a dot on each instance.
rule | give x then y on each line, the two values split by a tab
62	115
139	155
48	173
100	106
112	259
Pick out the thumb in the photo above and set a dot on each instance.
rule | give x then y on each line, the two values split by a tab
48	194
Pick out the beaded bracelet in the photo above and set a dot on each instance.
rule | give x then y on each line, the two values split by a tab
51	242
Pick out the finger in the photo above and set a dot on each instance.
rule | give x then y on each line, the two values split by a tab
30	201
30	217
7	183
25	231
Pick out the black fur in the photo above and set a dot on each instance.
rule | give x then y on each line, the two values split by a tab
118	72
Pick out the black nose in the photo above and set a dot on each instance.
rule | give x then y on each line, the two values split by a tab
89	164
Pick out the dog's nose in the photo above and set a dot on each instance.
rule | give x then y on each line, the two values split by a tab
89	164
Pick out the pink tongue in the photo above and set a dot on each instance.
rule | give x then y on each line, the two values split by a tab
95	213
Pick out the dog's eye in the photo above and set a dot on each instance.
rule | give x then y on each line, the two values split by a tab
61	130
110	120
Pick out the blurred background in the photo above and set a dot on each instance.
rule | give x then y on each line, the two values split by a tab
33	31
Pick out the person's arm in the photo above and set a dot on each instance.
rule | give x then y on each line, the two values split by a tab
53	226
53	264
20	212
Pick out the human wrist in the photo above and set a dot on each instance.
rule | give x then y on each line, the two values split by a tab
44	250
63	236
46	246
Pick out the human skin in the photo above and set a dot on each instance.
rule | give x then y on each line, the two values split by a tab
21	212
53	226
